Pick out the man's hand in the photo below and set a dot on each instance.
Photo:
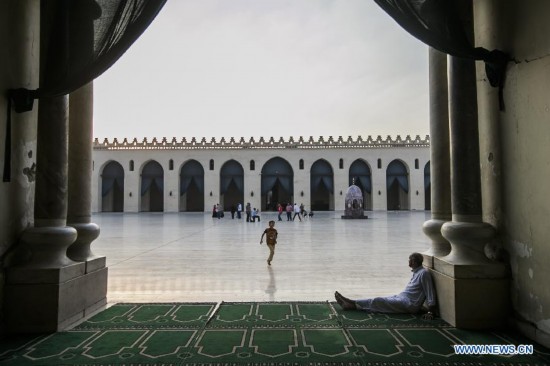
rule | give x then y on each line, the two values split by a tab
261	241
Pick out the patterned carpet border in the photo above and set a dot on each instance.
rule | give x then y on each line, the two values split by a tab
262	334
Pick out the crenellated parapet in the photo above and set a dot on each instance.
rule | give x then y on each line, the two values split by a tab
271	143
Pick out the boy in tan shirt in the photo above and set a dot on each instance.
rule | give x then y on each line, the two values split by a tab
271	240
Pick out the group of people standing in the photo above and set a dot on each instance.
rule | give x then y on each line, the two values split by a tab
289	208
252	214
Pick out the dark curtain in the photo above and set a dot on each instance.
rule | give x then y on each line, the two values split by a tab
108	183
438	24
186	182
226	181
148	182
365	182
81	40
401	180
268	183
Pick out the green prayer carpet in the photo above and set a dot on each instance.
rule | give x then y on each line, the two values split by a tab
270	334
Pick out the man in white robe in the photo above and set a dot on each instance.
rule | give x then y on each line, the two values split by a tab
420	289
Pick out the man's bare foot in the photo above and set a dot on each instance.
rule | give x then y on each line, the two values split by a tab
344	302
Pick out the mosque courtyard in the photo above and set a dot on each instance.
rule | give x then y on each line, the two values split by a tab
192	257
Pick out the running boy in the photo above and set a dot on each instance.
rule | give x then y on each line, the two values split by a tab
271	240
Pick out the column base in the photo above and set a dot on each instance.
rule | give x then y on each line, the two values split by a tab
440	246
51	300
463	292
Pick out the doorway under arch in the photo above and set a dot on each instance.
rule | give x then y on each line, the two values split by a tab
277	183
397	183
360	175
152	187
427	187
112	188
191	187
322	186
231	184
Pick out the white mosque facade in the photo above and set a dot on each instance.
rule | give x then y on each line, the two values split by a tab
195	175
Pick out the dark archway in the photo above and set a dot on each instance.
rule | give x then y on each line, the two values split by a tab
152	188
397	183
112	188
277	183
322	186
360	175
192	187
427	187
231	184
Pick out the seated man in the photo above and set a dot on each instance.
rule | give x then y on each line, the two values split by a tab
419	289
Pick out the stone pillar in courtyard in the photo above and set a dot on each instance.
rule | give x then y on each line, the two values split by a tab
40	286
466	278
79	212
45	290
440	169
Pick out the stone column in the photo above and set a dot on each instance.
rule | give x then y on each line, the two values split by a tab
440	174
467	233
466	277
80	174
49	239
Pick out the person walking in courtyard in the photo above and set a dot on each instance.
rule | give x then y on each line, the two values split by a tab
271	240
248	210
419	289
279	211
233	209
297	212
239	210
289	212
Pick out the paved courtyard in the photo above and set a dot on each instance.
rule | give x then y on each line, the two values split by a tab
188	257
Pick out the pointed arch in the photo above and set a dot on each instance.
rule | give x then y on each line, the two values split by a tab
322	186
191	196
277	184
397	184
360	174
152	187
112	187
427	187
231	184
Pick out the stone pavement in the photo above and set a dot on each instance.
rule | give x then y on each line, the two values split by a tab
189	257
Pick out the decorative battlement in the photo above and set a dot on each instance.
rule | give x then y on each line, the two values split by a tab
301	143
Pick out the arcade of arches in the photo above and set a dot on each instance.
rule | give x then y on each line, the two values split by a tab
317	183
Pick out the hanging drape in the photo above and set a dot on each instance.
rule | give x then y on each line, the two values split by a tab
325	180
437	23
365	182
226	182
108	183
148	182
268	183
286	183
187	181
401	180
82	39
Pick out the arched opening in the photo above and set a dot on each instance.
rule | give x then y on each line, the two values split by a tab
322	186
277	183
192	187
397	183
231	184
427	187
112	188
360	175
152	188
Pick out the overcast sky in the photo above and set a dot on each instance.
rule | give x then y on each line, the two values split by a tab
251	68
